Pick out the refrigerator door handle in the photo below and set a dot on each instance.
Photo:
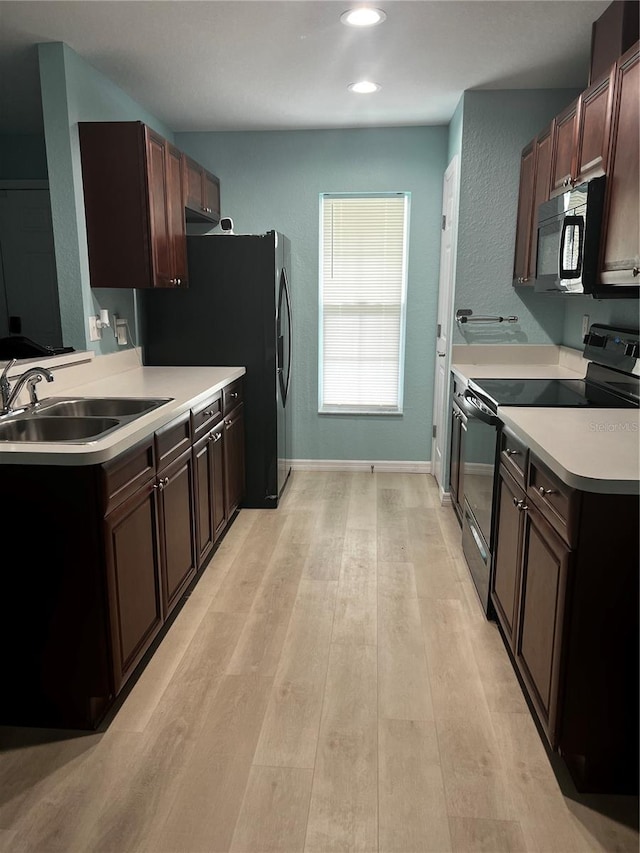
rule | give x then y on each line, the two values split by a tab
286	293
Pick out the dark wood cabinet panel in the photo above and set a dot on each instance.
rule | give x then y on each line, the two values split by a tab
210	498
612	35
133	579
535	180
545	567
568	614
133	204
202	193
505	581
175	213
233	446
620	259
594	129
524	217
121	554
565	137
176	490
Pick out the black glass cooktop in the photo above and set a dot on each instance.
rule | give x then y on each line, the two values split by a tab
565	393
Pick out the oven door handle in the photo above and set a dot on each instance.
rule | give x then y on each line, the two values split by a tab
474	411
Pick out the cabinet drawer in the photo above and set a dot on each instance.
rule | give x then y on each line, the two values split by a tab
514	455
122	477
205	415
558	502
232	394
172	440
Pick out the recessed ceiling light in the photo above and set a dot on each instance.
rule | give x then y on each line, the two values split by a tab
364	87
363	16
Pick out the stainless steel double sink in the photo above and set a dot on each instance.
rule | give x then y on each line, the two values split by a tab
79	420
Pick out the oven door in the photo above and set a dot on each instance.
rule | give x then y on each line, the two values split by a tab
479	461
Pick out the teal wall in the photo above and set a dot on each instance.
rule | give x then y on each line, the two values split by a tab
497	125
23	157
611	312
272	180
73	91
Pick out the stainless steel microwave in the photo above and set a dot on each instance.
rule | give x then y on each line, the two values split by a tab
568	235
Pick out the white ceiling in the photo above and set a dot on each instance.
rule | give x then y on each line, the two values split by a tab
285	64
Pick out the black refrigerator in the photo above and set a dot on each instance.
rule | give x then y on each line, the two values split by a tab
236	311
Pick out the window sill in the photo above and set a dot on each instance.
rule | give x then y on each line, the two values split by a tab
345	411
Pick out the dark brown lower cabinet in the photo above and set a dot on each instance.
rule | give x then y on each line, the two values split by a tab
133	580
542	617
507	569
565	591
209	477
118	552
233	447
176	512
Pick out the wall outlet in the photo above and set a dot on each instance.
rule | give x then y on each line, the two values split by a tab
95	334
121	332
585	324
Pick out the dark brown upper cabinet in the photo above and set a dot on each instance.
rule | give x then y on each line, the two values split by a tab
582	135
202	193
620	258
535	176
133	197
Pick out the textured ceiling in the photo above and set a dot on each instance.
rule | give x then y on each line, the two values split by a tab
286	64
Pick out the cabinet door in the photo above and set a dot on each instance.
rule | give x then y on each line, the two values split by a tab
620	263
454	462
594	129
177	519
211	193
233	446
177	235
564	148
193	198
505	581
133	580
209	479
160	228
539	640
524	220
542	182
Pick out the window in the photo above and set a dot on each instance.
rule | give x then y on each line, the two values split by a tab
363	274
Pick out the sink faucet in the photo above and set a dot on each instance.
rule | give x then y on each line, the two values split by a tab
30	377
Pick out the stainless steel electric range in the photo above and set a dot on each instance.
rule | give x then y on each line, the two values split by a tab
612	381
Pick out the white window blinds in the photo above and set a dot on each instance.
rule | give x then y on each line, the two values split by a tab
363	255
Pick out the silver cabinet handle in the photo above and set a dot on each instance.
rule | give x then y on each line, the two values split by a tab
233	395
441	354
512	452
217	437
520	505
544	491
208	414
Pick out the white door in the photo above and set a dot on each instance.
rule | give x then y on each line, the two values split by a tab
445	303
27	257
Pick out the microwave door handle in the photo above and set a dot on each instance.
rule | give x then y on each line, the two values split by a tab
571	222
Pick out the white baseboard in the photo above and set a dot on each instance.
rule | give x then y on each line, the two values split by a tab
445	497
360	465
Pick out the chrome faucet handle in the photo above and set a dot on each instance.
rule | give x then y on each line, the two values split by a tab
31	385
5	387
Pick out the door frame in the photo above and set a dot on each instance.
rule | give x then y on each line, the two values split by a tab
441	416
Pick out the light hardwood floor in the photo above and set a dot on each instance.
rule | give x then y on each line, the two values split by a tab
331	684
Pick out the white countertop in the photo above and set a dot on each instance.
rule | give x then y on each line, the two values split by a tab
188	386
595	450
